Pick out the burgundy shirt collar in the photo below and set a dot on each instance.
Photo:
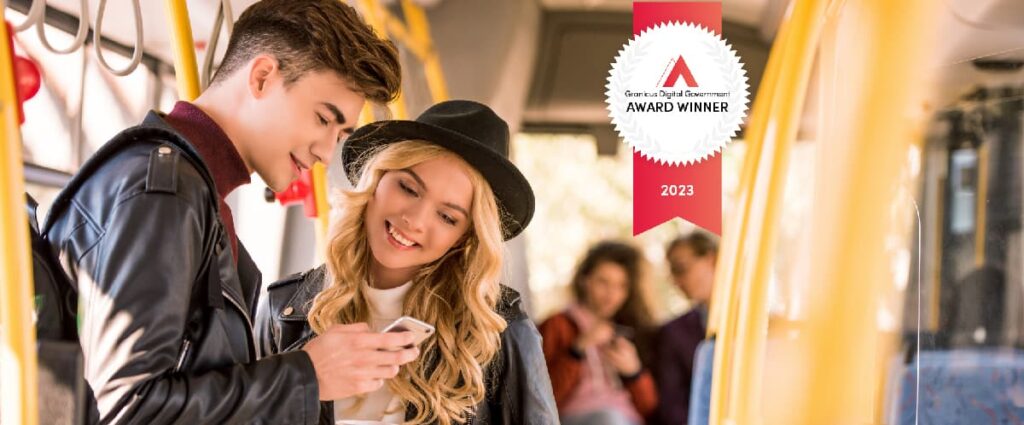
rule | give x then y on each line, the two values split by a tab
225	164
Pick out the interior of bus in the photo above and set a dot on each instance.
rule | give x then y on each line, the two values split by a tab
870	267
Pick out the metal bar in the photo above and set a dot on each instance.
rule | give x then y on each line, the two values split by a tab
934	296
19	368
43	176
185	68
864	208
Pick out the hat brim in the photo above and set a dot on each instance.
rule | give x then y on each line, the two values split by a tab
511	189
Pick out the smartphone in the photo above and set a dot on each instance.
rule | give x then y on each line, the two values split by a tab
625	331
422	329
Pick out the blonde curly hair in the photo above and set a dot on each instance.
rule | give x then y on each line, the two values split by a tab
457	293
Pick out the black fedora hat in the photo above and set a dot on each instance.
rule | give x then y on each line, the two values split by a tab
469	129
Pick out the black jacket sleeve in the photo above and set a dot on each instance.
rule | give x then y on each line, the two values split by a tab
151	251
530	400
673	380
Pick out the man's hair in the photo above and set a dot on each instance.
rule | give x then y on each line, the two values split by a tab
315	35
700	242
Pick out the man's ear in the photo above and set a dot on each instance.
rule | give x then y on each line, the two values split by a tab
263	71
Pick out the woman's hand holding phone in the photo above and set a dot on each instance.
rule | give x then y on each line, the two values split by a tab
623	356
600	334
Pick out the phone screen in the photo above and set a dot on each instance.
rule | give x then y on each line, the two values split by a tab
408	324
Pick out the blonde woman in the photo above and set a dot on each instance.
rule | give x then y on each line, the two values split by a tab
421	235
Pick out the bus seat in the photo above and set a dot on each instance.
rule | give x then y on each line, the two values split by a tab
976	386
700	387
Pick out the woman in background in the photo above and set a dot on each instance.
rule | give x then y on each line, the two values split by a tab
596	370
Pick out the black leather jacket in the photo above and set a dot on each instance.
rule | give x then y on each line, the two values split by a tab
164	341
518	387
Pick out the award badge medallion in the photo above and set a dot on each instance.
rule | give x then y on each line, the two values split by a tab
677	94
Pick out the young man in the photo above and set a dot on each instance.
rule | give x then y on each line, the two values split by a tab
691	259
166	290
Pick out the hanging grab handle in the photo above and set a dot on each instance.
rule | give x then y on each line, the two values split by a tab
136	50
33	16
83	27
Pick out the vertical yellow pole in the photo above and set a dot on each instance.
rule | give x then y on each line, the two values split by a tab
323	217
18	363
754	274
420	30
740	299
732	238
724	303
863	208
374	15
980	201
185	70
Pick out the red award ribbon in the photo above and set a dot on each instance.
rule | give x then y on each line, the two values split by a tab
692	192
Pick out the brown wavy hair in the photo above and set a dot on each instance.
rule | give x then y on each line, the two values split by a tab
315	35
635	311
457	293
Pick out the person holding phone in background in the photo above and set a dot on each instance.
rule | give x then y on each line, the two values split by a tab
596	371
421	235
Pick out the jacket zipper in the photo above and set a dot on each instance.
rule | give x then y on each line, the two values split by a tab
186	345
186	348
248	331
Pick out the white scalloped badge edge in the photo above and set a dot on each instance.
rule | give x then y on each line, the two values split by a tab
648	116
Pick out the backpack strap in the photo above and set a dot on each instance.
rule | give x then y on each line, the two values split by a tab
31	205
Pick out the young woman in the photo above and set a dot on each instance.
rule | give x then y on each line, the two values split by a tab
421	235
596	370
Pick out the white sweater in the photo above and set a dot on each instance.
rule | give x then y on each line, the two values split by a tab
381	405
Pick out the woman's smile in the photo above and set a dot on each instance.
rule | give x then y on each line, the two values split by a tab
398	239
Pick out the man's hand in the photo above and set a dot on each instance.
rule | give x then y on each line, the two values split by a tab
351	359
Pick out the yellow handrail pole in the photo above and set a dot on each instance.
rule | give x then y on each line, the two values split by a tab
375	15
416	19
725	301
323	217
980	202
863	207
754	274
186	72
732	236
18	363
